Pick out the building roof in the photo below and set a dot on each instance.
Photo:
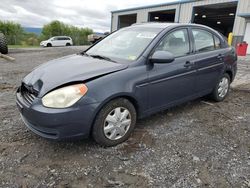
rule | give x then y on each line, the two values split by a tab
244	15
155	5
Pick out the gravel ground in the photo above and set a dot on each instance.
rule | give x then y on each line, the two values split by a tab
197	144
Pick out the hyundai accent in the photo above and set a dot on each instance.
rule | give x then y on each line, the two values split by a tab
130	74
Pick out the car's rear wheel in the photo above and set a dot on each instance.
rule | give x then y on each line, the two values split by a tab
114	123
221	89
49	45
68	44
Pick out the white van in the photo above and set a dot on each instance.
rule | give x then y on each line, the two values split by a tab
57	41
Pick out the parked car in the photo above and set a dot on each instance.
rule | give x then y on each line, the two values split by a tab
93	38
57	41
132	73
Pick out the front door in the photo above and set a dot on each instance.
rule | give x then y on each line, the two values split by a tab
55	41
170	83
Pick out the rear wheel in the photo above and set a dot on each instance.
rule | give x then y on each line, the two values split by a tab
114	123
3	44
68	44
221	89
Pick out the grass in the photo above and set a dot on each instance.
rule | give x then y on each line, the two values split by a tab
22	46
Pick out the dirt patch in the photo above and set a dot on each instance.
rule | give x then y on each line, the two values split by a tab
196	144
7	87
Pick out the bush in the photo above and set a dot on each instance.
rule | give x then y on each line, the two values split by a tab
13	32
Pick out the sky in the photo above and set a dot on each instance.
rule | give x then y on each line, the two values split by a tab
94	14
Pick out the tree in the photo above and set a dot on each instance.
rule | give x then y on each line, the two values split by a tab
12	31
57	28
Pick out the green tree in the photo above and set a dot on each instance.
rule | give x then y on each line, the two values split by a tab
57	28
13	31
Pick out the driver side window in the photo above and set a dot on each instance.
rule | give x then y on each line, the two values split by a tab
176	42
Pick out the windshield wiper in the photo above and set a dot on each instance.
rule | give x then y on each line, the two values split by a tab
84	53
102	57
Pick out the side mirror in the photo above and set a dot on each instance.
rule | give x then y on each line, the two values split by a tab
162	57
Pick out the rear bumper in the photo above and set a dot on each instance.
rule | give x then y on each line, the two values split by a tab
57	124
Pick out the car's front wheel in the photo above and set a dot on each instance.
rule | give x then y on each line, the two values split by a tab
221	89
114	123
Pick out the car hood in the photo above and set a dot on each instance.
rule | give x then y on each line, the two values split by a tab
68	69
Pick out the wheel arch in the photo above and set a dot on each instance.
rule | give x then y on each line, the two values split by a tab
127	96
230	73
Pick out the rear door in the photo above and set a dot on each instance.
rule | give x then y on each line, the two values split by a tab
208	59
62	41
172	82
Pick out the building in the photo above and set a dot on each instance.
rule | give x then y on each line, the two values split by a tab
223	15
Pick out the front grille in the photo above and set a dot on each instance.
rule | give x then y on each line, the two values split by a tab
28	94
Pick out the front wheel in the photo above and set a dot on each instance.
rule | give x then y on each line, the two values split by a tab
221	89
114	123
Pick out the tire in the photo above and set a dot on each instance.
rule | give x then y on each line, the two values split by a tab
117	131
3	44
68	44
49	45
218	95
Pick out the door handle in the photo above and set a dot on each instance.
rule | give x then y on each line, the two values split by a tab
189	64
220	56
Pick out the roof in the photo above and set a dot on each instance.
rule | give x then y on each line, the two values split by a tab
163	25
155	24
155	5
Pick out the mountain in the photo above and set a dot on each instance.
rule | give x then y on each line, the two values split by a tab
35	30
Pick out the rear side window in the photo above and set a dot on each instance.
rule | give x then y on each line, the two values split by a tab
65	38
203	40
176	42
217	42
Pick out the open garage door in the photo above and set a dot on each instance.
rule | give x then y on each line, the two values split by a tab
126	20
162	16
218	16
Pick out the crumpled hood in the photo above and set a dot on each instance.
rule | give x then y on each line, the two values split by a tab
68	69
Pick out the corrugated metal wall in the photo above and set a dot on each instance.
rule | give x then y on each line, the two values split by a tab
186	13
240	23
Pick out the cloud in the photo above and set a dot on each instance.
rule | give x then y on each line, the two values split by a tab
94	14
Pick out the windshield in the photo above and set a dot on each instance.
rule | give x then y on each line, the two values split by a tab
127	44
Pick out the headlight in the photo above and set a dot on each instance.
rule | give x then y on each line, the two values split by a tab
64	97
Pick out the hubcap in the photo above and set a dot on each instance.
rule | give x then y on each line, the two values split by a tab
117	123
223	87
